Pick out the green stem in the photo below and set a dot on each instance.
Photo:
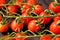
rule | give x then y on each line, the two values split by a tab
36	36
47	31
55	1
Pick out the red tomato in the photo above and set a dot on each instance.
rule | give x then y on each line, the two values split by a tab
55	9
38	9
0	17
26	8
12	9
2	2
34	26
4	27
26	20
19	3
46	37
57	18
57	37
20	34
31	2
44	20
55	27
15	26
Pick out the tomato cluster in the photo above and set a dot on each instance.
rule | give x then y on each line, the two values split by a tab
22	16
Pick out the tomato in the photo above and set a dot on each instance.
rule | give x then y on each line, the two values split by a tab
54	8
57	37
0	17
12	9
46	37
38	9
3	26
55	27
57	18
26	8
17	25
31	2
26	20
34	26
19	3
20	34
2	2
44	20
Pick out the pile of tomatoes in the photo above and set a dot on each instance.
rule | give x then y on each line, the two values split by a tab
27	17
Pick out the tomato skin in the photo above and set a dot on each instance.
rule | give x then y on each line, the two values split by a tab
20	34
57	18
55	28
26	8
32	26
2	2
46	37
38	9
0	18
44	20
19	3
55	9
31	2
4	28
26	20
12	9
15	26
57	37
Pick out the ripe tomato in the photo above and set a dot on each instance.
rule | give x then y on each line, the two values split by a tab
55	27
46	37
26	8
57	38
4	26
12	9
57	18
38	9
17	25
44	20
2	2
34	26
31	2
0	18
26	20
19	3
20	34
54	8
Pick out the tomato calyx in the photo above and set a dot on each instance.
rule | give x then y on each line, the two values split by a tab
59	22
38	23
49	12
18	21
55	3
32	14
3	22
